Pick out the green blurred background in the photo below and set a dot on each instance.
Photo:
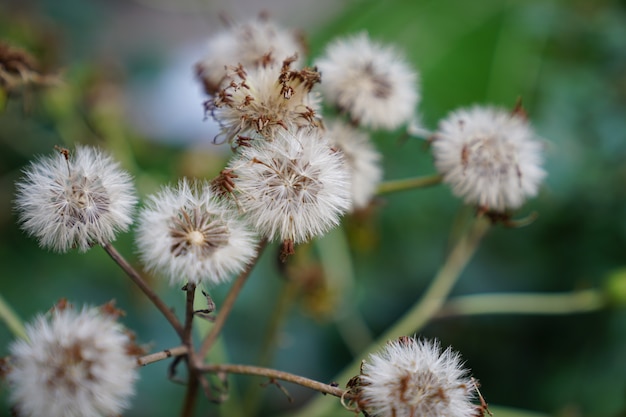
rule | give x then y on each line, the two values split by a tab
129	87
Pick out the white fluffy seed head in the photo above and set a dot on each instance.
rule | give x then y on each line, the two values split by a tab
412	377
186	233
74	364
490	157
371	81
252	44
75	200
362	159
259	101
292	188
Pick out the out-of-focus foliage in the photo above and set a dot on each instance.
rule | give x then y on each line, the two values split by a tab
566	59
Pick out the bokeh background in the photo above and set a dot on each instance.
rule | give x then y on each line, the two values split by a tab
128	86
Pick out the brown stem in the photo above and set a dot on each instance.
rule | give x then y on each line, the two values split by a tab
190	288
221	317
164	354
137	279
274	374
192	379
191	395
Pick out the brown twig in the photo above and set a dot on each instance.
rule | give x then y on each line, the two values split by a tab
164	354
274	374
224	311
137	279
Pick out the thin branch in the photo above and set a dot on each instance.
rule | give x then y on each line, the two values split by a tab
12	320
191	394
164	354
583	301
408	184
274	374
190	289
225	309
137	279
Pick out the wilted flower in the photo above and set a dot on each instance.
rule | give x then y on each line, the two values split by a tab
75	200
490	157
410	378
74	364
370	81
292	188
252	44
362	159
186	233
262	100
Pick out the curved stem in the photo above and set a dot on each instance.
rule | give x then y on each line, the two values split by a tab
227	306
273	374
137	279
408	184
13	322
583	301
421	312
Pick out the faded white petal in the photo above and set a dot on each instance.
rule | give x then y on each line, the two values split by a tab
75	202
490	157
252	44
361	158
412	377
259	101
186	233
369	80
74	364
292	188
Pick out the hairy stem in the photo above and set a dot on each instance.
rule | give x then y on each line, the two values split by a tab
227	306
408	184
137	279
421	312
273	374
583	301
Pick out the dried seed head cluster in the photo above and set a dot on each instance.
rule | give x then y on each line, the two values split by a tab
370	81
251	44
361	158
74	364
292	188
261	100
75	200
490	157
411	377
186	233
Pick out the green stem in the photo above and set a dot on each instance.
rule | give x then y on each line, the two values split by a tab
408	184
421	312
282	307
13	322
583	301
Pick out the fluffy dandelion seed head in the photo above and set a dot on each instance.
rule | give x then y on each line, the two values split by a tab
490	157
252	44
412	377
292	188
371	81
262	100
361	158
74	364
188	234
75	202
